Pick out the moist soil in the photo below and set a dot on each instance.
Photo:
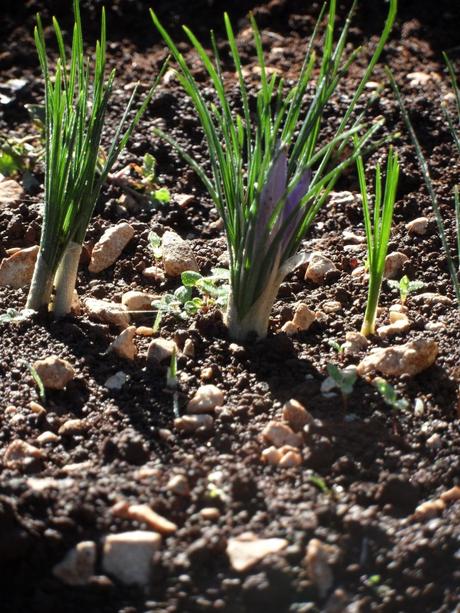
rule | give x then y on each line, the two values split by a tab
365	468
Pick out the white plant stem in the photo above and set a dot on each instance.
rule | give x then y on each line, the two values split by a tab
41	285
66	278
258	316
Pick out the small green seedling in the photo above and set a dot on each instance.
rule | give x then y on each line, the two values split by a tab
149	181
171	375
405	287
36	377
338	347
344	380
155	244
390	395
320	483
12	316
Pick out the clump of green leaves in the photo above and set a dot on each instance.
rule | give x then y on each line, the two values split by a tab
378	227
390	395
270	171
212	291
76	103
405	287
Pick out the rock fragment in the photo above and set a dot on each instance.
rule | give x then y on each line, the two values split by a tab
128	556
429	509
431	298
19	452
73	426
116	381
279	434
11	193
161	349
355	343
54	372
400	325
451	495
394	264
135	300
142	512
318	568
177	255
16	271
124	345
78	565
318	267
179	485
153	273
107	312
246	550
109	247
191	423
189	348
411	359
302	320
417	227
206	399
296	415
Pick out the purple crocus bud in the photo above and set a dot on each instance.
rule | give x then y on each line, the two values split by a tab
292	210
273	190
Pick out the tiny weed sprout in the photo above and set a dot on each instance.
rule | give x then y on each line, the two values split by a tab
36	377
339	348
75	114
390	395
405	287
455	132
344	379
171	375
270	170
212	290
378	228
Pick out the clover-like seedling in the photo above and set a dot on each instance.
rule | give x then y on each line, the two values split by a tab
405	287
344	380
155	244
149	181
390	395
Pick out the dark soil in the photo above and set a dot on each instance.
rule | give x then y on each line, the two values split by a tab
364	471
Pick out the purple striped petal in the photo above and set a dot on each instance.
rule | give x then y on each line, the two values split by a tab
273	190
292	205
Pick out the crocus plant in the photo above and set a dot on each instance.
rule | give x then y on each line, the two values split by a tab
271	166
75	108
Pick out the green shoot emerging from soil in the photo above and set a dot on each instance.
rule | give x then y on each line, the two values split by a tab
378	229
405	287
344	379
75	109
270	170
390	395
454	126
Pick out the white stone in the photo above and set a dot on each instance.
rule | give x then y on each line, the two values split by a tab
318	267
355	343
246	550
124	345
116	381
177	255
179	485
431	298
107	312
161	349
78	565
189	348
318	568
128	556
417	226
191	423
109	247
279	434
18	452
11	193
303	317
296	414
394	263
54	372
16	271
399	326
411	359
135	300
206	399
